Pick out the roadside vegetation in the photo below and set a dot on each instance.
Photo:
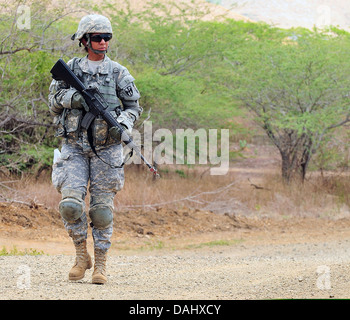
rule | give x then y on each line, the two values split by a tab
16	252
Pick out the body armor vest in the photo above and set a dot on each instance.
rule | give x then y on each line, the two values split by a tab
106	82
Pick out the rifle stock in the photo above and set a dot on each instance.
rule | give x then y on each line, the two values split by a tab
61	71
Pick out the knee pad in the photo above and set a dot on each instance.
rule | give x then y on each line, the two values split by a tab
71	207
101	216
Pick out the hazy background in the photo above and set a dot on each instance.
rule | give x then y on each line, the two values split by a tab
293	13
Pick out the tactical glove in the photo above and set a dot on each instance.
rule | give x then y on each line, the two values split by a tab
127	120
78	102
116	133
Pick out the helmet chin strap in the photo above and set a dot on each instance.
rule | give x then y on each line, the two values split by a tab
88	44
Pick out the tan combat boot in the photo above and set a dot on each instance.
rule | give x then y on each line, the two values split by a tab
99	274
82	262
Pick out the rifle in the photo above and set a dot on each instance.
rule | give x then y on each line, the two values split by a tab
97	106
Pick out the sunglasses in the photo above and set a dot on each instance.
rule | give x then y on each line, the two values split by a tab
98	37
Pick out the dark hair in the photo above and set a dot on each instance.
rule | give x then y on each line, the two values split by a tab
81	44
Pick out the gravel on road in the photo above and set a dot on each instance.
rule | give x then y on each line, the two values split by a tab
318	270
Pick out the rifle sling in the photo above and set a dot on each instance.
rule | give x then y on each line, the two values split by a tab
92	146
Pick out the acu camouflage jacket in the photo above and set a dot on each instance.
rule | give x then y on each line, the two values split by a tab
115	84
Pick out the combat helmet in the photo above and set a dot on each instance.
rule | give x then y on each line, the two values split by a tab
92	23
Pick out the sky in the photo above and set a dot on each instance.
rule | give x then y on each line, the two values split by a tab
293	13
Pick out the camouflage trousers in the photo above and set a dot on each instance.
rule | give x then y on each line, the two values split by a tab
78	167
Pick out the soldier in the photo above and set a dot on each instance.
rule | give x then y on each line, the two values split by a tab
78	164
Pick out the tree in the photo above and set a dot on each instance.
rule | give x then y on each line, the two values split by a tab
298	89
29	45
175	56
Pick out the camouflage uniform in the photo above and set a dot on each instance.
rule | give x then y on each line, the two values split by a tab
78	164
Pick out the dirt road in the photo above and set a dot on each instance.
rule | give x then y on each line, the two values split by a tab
262	259
185	254
298	271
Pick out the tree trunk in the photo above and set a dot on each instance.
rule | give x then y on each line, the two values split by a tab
286	166
295	160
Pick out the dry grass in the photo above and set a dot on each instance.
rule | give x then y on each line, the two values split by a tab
182	183
318	196
234	193
140	188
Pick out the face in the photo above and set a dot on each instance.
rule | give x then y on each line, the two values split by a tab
99	41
